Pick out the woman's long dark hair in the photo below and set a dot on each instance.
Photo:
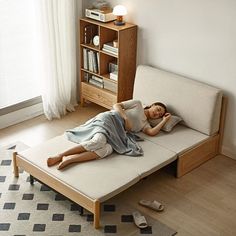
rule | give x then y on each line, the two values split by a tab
157	104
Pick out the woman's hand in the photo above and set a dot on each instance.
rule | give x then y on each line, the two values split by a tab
166	117
155	130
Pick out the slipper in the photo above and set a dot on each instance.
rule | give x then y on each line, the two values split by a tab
154	205
139	220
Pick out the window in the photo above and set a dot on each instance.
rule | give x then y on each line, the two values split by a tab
18	52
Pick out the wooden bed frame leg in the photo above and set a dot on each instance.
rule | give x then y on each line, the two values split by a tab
16	169
96	222
31	180
81	211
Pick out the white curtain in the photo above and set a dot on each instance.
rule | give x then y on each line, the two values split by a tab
17	52
57	55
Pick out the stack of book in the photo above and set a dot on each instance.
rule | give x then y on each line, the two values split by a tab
108	47
97	81
91	60
111	86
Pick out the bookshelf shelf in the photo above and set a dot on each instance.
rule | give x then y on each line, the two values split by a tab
89	46
90	72
98	84
107	77
110	54
101	89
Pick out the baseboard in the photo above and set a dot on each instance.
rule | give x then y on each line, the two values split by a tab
228	152
21	115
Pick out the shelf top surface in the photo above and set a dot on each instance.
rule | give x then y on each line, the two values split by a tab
109	25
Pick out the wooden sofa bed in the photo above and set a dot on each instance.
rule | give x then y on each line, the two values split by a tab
191	143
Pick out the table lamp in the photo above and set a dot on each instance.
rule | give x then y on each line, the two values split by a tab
119	11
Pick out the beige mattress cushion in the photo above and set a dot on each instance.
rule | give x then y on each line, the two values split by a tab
100	179
179	140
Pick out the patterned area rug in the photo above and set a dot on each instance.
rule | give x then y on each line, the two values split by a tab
38	210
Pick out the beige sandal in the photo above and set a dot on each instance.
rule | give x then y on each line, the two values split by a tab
139	220
154	205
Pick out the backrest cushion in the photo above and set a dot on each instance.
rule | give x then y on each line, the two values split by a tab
198	104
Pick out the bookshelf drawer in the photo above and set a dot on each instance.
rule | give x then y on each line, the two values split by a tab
100	96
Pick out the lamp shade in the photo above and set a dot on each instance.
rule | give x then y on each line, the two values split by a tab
119	10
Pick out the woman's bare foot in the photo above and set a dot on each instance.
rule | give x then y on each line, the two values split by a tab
65	161
77	158
54	160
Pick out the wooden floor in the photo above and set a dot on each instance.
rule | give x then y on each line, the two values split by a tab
201	203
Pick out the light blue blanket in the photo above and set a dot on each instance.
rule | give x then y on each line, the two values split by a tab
111	124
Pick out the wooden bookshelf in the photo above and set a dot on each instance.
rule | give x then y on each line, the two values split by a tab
125	59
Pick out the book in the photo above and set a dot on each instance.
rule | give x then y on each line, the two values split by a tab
90	60
86	77
109	51
96	83
98	60
111	86
97	78
94	62
85	58
109	46
112	66
114	75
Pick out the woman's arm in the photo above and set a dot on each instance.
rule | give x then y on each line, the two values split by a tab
119	107
155	130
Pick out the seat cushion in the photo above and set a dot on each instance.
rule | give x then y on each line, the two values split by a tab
179	140
154	158
104	178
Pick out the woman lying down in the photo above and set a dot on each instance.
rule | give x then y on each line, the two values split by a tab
112	131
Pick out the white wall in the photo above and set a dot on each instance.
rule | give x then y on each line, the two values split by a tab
192	38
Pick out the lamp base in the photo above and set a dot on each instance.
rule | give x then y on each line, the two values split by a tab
119	23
